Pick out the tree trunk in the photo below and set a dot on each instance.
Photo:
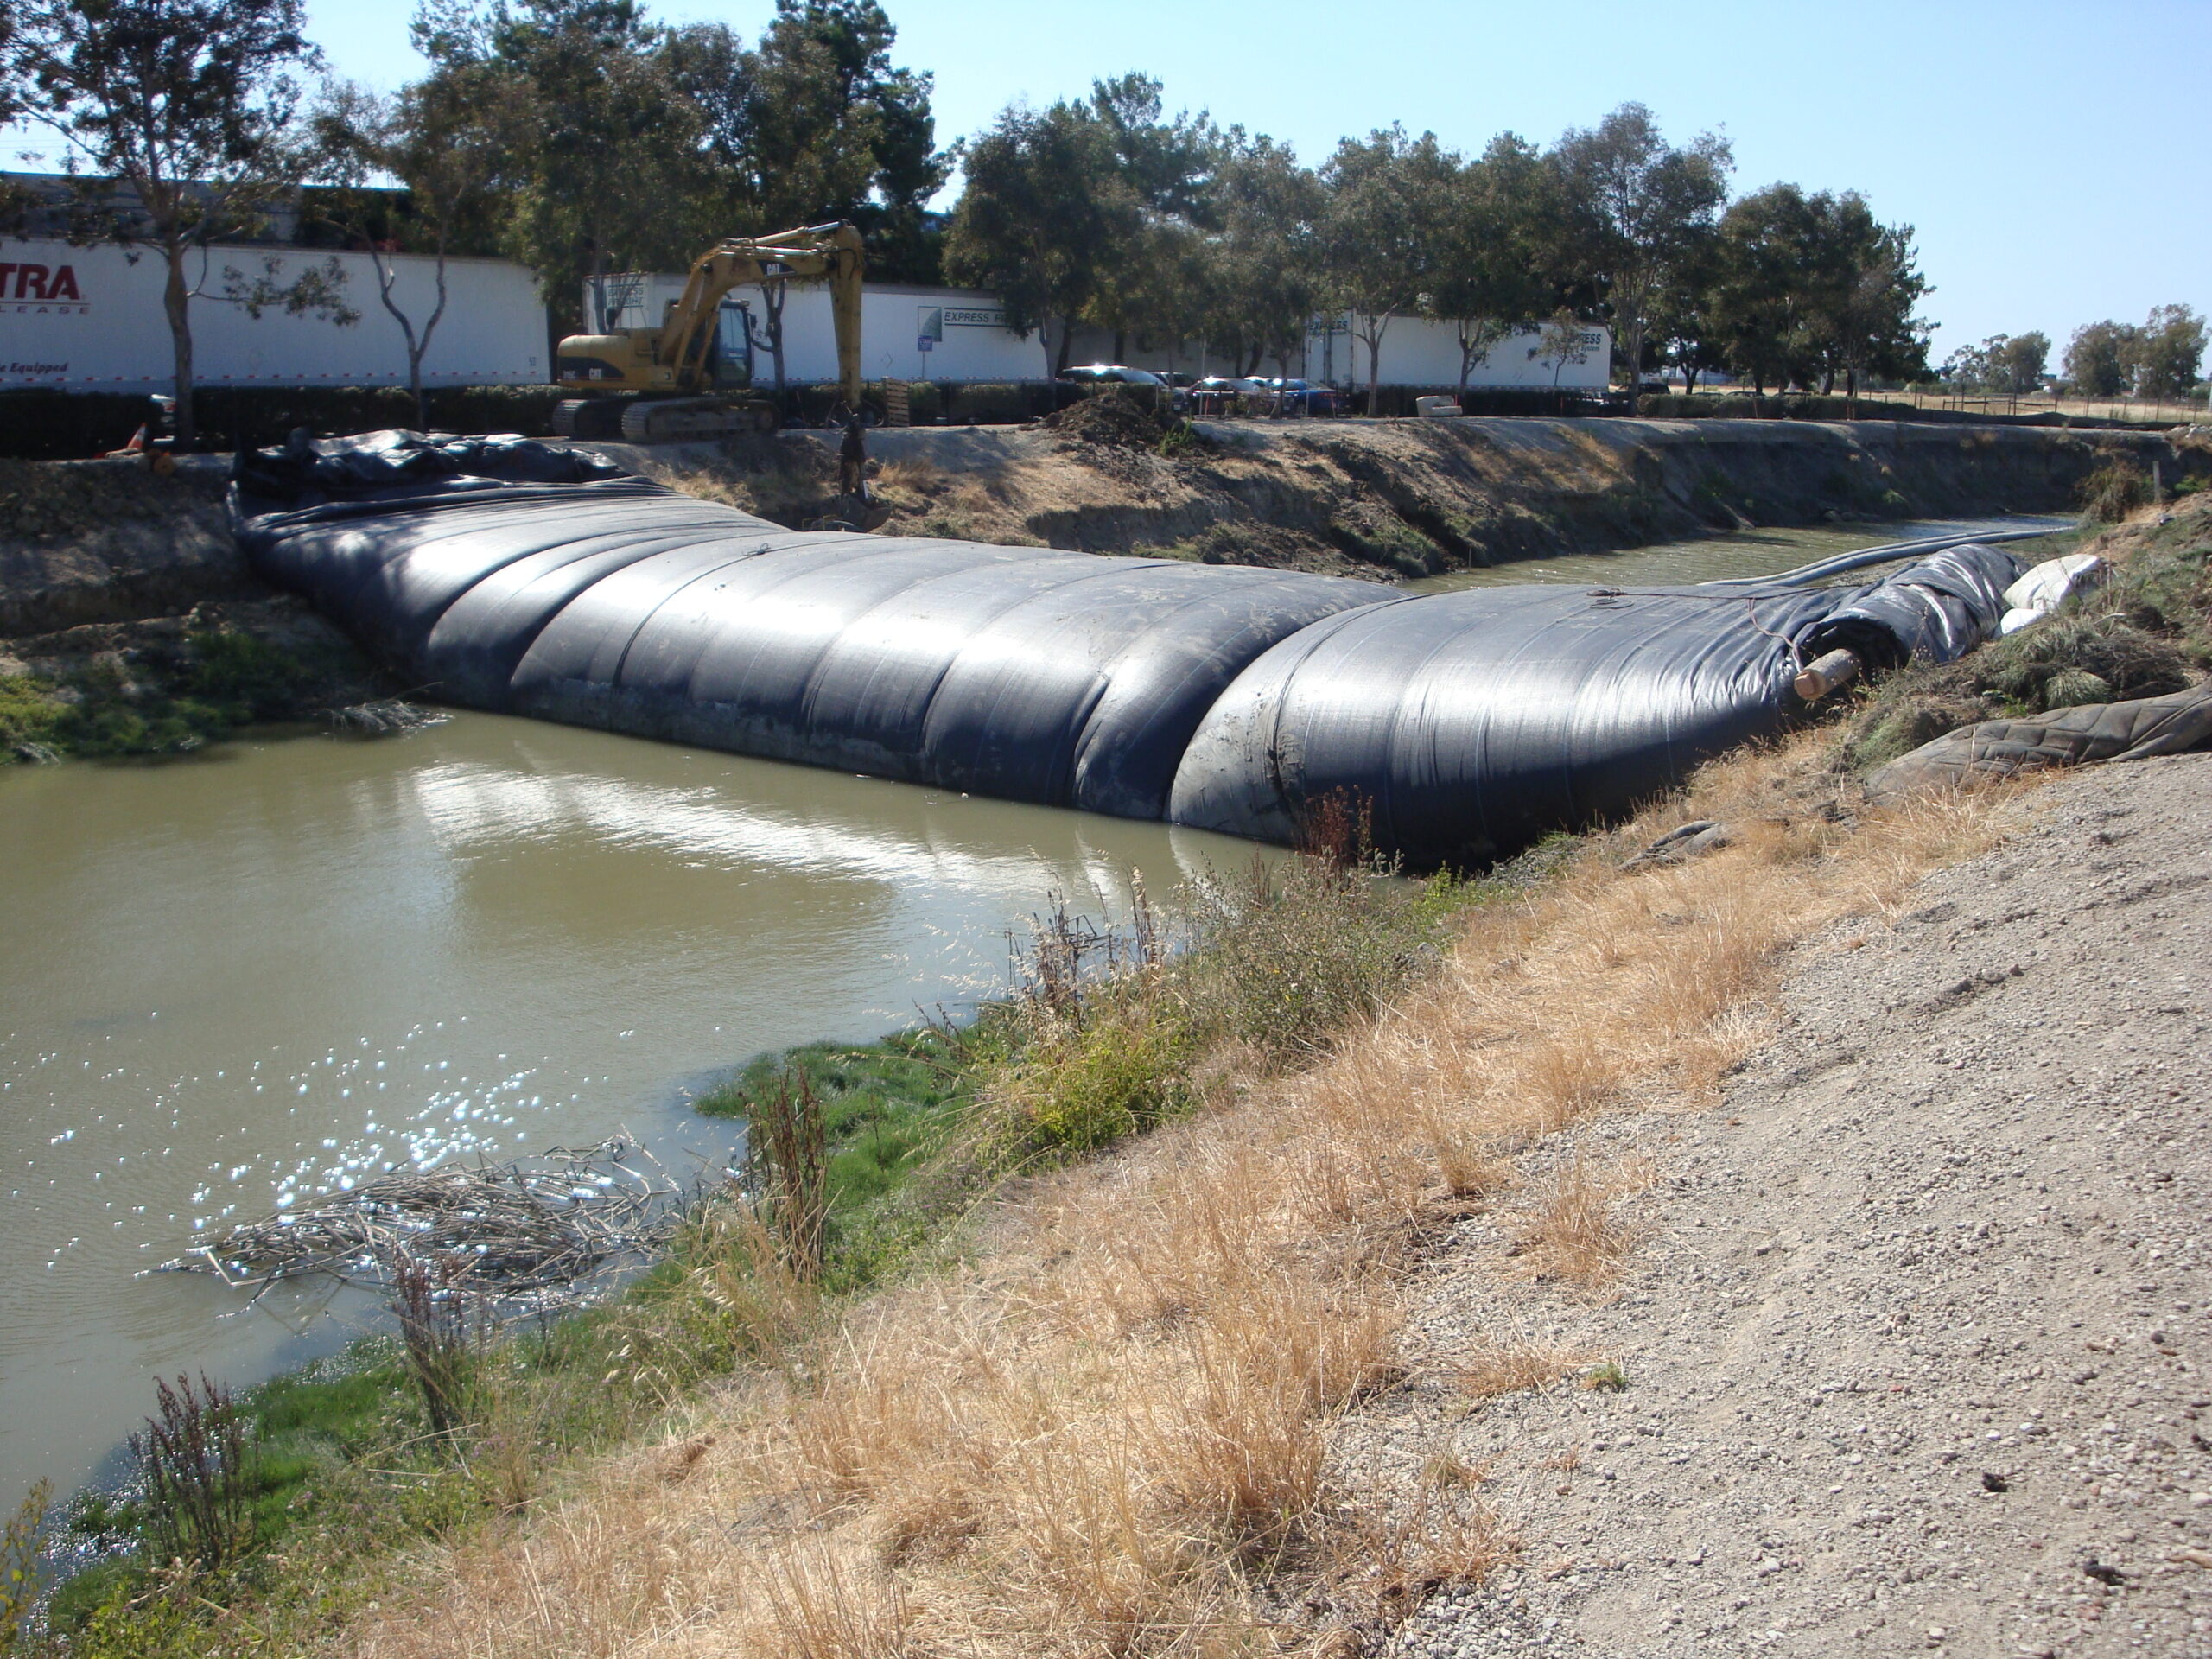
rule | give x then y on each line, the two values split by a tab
1067	345
772	295
176	300
1121	345
1374	366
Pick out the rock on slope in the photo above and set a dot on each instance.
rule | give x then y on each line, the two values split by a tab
1917	1345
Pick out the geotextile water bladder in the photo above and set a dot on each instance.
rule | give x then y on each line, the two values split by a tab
510	575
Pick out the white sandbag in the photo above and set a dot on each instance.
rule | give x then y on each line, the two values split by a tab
2040	592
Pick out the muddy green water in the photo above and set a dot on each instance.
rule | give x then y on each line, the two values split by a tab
251	975
1720	558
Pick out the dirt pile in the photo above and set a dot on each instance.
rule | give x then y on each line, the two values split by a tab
1115	418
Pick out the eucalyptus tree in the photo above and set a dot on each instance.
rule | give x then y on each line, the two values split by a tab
2099	358
1641	205
1496	262
184	123
2169	353
1383	231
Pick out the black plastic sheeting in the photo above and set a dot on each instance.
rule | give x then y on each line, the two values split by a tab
504	574
1476	723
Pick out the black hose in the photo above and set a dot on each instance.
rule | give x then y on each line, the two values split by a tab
1839	563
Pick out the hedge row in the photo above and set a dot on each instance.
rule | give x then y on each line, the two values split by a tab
37	424
1805	406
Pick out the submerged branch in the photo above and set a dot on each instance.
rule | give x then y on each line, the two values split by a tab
522	1231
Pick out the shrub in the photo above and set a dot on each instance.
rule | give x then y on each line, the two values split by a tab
1089	1086
19	1564
446	1330
2114	490
201	1475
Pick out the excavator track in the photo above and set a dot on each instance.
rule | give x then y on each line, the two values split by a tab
675	420
588	418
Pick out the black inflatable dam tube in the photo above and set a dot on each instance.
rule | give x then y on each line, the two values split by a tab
1476	723
507	575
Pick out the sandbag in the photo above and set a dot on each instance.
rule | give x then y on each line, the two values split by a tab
1991	749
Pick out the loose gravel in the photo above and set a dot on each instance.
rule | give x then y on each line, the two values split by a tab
1915	1340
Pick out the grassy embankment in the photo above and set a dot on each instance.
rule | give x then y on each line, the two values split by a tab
168	698
1089	1411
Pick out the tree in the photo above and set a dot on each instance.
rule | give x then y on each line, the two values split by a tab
2017	365
1864	285
435	144
814	125
1641	206
1045	209
1168	168
2169	353
1260	267
1565	339
1382	230
599	152
1499	234
2099	358
193	107
1758	305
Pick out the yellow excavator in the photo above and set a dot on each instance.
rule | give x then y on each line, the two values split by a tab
654	386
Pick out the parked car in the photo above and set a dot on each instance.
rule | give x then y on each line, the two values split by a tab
1219	394
1093	376
1298	397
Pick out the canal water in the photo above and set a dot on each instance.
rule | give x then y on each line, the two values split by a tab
237	981
1721	558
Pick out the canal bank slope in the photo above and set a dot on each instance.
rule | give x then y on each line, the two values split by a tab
1391	499
1913	1324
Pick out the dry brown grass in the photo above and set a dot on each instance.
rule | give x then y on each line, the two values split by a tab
1492	1368
1573	1229
1107	1431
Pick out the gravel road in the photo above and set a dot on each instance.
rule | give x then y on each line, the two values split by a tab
1916	1340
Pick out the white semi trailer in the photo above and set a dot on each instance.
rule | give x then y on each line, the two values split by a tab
91	319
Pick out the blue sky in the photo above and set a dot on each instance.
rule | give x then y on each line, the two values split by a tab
2053	156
